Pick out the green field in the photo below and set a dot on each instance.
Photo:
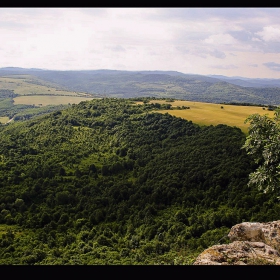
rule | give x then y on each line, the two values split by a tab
43	100
213	114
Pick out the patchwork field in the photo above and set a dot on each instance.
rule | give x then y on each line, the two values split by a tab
28	85
209	113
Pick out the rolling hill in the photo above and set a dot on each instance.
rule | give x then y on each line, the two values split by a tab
110	181
160	84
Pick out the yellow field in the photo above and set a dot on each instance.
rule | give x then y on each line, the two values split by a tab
4	119
209	113
43	100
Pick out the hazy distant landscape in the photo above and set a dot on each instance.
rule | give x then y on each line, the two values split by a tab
160	84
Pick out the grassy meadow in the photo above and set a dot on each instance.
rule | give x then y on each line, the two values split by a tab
209	113
43	100
4	119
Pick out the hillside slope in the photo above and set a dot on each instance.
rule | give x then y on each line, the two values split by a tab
109	182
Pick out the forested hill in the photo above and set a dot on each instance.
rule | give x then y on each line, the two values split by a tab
160	84
109	182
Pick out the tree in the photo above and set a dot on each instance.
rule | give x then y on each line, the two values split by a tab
263	143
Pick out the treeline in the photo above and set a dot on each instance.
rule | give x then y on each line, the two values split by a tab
269	107
34	111
6	93
108	182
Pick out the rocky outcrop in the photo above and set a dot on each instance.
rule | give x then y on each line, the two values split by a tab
251	243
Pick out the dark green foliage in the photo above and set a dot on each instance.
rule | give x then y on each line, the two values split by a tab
263	143
108	182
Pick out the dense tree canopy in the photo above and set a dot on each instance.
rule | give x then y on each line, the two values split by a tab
108	181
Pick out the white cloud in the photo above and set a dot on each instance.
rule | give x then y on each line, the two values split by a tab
181	39
220	39
270	33
224	66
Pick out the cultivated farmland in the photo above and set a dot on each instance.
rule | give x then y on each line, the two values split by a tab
213	114
4	119
43	100
29	85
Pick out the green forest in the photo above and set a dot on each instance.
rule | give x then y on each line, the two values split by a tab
107	181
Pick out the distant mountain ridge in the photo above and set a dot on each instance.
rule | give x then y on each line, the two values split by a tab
160	84
249	82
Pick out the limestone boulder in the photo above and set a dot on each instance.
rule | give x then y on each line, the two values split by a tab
239	253
269	233
251	243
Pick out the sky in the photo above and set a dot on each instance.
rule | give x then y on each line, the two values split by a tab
242	42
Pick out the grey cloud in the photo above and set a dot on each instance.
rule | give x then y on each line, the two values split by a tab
241	35
30	12
217	53
201	51
182	49
224	66
198	13
273	47
13	25
255	41
117	48
206	13
272	66
186	37
253	65
268	47
94	11
199	54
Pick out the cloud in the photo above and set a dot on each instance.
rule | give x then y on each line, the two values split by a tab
117	48
270	33
211	13
224	66
272	66
217	40
220	39
241	35
94	11
13	25
217	53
